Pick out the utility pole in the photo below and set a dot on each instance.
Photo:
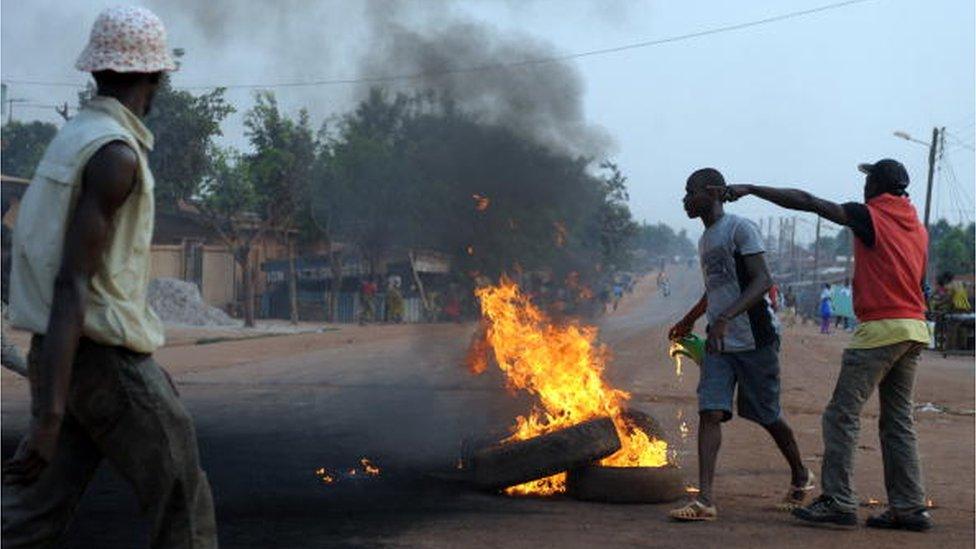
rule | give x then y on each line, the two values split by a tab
816	257
928	192
796	268
10	107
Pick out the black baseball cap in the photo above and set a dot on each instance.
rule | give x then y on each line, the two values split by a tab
890	174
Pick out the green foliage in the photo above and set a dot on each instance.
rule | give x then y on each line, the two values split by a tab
617	227
281	164
184	126
227	195
660	241
415	172
23	146
952	247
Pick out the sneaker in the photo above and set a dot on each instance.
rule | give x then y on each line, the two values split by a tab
919	521
824	510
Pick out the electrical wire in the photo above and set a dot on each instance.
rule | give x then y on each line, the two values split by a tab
499	66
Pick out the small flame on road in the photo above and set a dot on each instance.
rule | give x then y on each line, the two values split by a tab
330	477
369	468
325	476
692	490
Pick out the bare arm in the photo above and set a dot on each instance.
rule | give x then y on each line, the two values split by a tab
760	282
684	326
792	199
108	179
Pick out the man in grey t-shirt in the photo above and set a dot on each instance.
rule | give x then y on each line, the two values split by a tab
743	342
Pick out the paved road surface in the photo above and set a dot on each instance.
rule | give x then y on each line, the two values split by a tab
270	412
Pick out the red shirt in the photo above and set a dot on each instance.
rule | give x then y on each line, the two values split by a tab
888	274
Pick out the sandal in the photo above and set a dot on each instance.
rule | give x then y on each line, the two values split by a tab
796	495
694	511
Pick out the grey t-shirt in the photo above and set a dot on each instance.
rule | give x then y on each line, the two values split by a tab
721	250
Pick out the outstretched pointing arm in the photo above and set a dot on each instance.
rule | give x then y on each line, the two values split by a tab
792	199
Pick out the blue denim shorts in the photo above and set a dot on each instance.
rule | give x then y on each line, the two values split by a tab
756	373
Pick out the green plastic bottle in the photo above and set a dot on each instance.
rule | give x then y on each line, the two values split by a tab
690	346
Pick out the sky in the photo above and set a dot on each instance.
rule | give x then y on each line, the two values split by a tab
798	102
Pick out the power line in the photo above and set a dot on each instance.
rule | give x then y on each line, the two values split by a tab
498	66
963	197
959	142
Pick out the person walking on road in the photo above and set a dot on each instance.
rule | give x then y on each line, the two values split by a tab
890	255
742	346
80	271
825	309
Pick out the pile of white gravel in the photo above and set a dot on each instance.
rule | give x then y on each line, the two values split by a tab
178	302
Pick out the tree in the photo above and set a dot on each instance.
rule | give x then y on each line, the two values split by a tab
228	201
952	247
23	145
660	240
247	196
280	168
617	227
184	126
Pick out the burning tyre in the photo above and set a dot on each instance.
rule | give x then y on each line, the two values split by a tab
562	365
626	484
609	484
515	463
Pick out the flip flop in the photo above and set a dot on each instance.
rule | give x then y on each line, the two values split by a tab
796	495
694	511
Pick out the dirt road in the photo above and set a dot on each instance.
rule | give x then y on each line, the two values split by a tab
271	411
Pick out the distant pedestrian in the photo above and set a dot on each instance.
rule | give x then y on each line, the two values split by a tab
394	301
367	294
825	309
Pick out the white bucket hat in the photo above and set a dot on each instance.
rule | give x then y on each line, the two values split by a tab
126	39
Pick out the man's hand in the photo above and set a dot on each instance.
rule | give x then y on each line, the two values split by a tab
731	193
716	335
35	452
681	329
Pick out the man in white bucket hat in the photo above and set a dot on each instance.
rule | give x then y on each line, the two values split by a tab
79	274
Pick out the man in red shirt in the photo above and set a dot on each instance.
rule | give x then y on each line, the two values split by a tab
890	253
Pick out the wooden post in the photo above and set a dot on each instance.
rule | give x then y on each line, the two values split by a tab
292	281
816	258
418	282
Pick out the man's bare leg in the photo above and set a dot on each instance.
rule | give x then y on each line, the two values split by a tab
709	442
783	436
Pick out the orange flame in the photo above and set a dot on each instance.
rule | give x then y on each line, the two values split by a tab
369	468
325	476
481	203
562	366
